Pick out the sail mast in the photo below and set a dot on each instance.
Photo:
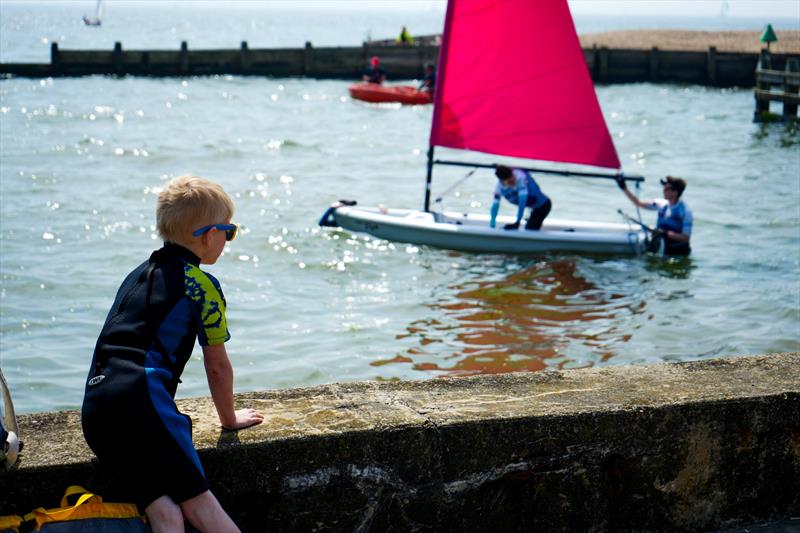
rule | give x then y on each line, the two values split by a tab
437	96
428	179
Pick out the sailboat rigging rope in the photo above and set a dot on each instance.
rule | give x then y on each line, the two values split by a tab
638	211
452	187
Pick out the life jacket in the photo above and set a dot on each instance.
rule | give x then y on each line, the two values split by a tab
536	197
671	218
375	74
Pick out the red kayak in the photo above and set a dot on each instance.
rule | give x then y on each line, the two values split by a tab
405	94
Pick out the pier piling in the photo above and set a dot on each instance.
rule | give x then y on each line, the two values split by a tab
117	59
54	58
244	58
792	87
711	65
184	61
654	64
776	85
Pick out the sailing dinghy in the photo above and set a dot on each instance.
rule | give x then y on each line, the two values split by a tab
97	20
512	81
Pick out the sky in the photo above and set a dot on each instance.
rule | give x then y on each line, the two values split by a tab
694	8
785	9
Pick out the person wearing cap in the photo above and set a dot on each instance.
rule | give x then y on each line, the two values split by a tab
674	223
374	73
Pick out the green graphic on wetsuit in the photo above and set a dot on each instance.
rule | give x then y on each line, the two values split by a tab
207	296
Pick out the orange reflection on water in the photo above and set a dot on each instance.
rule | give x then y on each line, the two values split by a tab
544	315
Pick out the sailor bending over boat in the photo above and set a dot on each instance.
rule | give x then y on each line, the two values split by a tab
518	187
674	216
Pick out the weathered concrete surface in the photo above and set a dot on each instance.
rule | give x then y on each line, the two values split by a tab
689	446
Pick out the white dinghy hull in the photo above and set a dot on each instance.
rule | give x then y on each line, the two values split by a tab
471	232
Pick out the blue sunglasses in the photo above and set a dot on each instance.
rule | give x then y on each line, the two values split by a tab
229	229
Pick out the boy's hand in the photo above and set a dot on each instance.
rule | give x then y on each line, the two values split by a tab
244	419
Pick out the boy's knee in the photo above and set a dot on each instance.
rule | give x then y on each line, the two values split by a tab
205	513
199	506
164	515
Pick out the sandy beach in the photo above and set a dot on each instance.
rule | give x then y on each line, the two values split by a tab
725	41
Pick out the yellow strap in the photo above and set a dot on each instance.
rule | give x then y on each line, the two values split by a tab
42	515
125	511
76	489
95	508
11	522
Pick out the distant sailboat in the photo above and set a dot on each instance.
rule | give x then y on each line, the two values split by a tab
97	20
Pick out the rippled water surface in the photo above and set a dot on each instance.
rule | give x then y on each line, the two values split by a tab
84	159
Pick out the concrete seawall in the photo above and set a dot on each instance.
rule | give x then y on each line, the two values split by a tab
707	67
677	447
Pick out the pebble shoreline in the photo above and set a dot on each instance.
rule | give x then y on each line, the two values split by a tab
724	41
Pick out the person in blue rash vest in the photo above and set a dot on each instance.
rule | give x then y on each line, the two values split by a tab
674	222
129	416
518	187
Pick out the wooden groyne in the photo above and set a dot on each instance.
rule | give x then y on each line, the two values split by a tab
607	65
697	446
330	62
774	84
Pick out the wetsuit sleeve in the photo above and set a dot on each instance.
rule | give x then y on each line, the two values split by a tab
522	191
655	204
205	292
540	198
495	207
687	223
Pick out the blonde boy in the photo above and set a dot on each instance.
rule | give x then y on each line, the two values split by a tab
129	415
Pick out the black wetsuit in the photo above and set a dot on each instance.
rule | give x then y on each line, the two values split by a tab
375	74
428	82
129	415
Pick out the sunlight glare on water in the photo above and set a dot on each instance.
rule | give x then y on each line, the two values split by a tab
84	159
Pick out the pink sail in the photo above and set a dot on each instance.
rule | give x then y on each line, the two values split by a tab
512	80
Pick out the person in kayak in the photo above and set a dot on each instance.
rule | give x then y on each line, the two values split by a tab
674	223
129	416
374	73
429	81
518	187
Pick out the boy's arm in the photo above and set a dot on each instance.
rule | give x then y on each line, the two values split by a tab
220	381
523	201
632	197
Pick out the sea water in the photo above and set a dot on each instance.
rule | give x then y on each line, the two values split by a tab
83	160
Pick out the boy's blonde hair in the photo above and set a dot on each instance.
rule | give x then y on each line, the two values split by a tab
188	203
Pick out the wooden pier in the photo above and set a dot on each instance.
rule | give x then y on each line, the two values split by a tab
774	84
606	65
